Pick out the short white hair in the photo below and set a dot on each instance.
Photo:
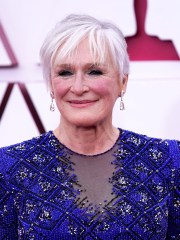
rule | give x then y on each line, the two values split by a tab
103	37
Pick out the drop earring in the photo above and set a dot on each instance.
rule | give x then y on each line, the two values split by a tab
122	106
52	107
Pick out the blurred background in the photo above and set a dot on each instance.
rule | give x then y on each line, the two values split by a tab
152	32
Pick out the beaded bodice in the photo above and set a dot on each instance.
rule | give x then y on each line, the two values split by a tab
42	195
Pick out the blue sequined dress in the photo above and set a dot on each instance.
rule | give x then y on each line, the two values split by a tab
48	192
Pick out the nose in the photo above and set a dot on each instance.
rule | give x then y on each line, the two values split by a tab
79	85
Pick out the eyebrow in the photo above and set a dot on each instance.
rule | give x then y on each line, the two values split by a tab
63	65
87	65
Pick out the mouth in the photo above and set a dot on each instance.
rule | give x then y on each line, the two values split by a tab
81	103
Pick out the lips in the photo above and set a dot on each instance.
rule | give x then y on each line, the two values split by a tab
82	103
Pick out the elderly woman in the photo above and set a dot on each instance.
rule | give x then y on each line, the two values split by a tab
88	179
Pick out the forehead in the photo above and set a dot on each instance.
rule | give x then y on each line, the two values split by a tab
83	52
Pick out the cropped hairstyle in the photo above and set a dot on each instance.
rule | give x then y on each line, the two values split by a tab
67	34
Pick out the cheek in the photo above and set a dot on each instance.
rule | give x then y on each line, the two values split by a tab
108	89
59	88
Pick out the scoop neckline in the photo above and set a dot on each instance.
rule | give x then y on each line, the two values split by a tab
86	155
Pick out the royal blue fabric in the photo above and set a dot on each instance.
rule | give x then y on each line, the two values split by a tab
38	201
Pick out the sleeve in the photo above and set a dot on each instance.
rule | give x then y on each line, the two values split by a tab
8	218
174	208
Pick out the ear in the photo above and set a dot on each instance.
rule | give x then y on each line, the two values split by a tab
52	94
124	83
123	86
51	89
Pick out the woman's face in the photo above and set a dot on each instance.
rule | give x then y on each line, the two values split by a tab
85	92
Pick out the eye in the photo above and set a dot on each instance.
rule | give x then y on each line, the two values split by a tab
95	72
65	73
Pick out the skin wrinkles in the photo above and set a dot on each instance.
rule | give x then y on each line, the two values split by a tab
85	93
87	68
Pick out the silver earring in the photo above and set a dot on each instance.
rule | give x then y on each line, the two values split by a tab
52	107
122	106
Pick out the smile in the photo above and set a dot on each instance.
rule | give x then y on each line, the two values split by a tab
82	103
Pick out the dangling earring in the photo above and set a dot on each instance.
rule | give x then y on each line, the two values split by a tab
122	106
52	107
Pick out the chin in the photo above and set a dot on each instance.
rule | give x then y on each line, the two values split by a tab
87	121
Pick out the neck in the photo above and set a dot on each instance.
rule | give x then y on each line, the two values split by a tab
87	140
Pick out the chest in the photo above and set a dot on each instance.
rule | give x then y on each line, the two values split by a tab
51	205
